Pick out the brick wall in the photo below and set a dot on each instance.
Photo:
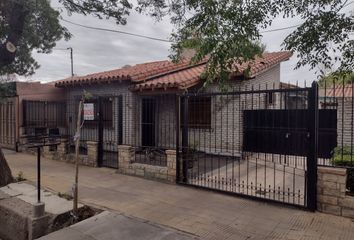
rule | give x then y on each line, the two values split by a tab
224	136
344	122
110	134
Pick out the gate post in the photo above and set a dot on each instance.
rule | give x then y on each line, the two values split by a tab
100	133
178	132
311	183
185	138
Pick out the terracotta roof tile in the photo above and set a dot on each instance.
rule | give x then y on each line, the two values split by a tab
165	74
191	75
338	91
134	73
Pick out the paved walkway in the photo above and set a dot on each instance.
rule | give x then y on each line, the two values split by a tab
205	214
110	226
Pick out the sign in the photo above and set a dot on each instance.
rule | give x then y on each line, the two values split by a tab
89	111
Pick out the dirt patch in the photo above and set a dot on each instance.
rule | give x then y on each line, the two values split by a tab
67	219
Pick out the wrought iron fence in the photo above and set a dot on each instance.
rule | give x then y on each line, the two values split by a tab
252	142
43	117
339	98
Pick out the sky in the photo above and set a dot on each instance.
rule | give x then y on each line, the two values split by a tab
96	51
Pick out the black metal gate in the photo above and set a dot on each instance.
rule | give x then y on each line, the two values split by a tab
105	128
109	130
261	143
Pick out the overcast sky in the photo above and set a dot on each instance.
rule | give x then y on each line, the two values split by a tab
96	51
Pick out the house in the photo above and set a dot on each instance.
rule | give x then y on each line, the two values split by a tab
339	99
138	106
31	108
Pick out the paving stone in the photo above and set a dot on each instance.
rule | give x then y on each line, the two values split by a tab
204	213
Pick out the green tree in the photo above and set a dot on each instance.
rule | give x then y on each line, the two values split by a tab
336	78
224	30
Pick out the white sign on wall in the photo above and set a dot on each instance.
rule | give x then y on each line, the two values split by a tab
89	111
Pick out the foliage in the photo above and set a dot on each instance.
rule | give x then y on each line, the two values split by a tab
7	90
66	196
20	177
337	78
41	31
344	157
227	31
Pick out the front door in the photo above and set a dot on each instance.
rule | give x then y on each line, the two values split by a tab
148	122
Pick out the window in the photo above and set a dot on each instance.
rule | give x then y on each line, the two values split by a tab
106	111
199	111
270	98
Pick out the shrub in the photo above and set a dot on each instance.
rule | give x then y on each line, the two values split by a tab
343	157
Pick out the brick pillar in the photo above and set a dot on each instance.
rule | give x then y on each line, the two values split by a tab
126	155
171	165
92	153
62	147
46	150
331	188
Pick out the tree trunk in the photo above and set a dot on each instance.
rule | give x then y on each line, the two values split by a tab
16	23
5	171
77	146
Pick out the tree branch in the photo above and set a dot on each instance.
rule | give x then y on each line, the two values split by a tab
16	24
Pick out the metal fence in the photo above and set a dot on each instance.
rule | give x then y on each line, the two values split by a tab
8	123
259	142
339	98
254	143
44	117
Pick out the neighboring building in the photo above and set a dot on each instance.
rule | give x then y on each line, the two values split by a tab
136	105
340	99
41	113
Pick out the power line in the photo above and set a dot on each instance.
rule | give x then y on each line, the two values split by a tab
117	31
280	29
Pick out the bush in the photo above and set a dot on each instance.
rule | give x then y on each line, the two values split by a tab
343	157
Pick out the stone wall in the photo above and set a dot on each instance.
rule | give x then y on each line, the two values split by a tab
331	192
126	158
61	154
17	221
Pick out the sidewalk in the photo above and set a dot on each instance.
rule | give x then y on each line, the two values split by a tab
205	214
109	226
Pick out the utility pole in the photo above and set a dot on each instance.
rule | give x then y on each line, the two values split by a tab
72	61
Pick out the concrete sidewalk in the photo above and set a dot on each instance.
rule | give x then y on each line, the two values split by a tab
205	214
112	226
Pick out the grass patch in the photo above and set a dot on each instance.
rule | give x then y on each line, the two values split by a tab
20	177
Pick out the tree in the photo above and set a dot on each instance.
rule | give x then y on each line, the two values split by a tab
5	171
224	30
79	123
27	25
337	79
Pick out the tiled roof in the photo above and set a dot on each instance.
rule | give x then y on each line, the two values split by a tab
165	74
134	73
284	85
191	76
338	91
178	80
